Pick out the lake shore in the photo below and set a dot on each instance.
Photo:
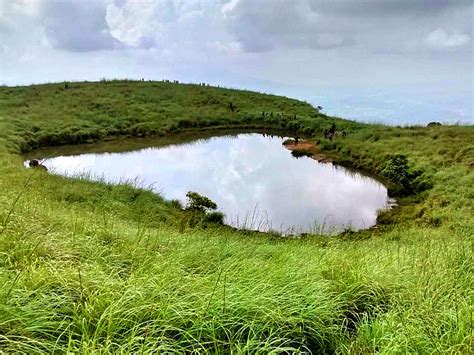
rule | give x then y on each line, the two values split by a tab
309	148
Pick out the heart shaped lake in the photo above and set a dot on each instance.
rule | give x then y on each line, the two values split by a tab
255	181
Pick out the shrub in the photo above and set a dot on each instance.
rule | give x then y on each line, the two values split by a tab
396	169
197	202
198	211
214	217
177	204
407	180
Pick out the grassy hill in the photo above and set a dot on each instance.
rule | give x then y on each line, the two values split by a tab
91	267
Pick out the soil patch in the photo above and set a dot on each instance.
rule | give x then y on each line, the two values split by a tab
306	147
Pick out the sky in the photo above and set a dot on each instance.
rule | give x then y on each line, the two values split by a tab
392	61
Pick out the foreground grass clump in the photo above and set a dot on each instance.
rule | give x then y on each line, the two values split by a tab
90	267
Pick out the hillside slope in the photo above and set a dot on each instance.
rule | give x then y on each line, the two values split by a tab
92	267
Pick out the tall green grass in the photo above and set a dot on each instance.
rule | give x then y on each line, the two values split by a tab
90	267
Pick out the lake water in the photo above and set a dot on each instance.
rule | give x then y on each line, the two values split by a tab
253	179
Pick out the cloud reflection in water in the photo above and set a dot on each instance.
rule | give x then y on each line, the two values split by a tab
253	179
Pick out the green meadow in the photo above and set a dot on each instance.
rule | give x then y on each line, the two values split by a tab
89	267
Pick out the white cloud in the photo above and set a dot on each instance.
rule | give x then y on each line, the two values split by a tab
329	40
226	47
140	23
74	26
228	6
390	26
165	24
441	38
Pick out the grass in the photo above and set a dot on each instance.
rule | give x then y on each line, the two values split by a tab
90	267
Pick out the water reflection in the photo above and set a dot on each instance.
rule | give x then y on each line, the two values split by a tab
253	179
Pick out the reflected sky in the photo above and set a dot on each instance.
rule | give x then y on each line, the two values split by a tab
253	179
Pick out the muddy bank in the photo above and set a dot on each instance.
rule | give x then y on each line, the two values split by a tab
306	148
